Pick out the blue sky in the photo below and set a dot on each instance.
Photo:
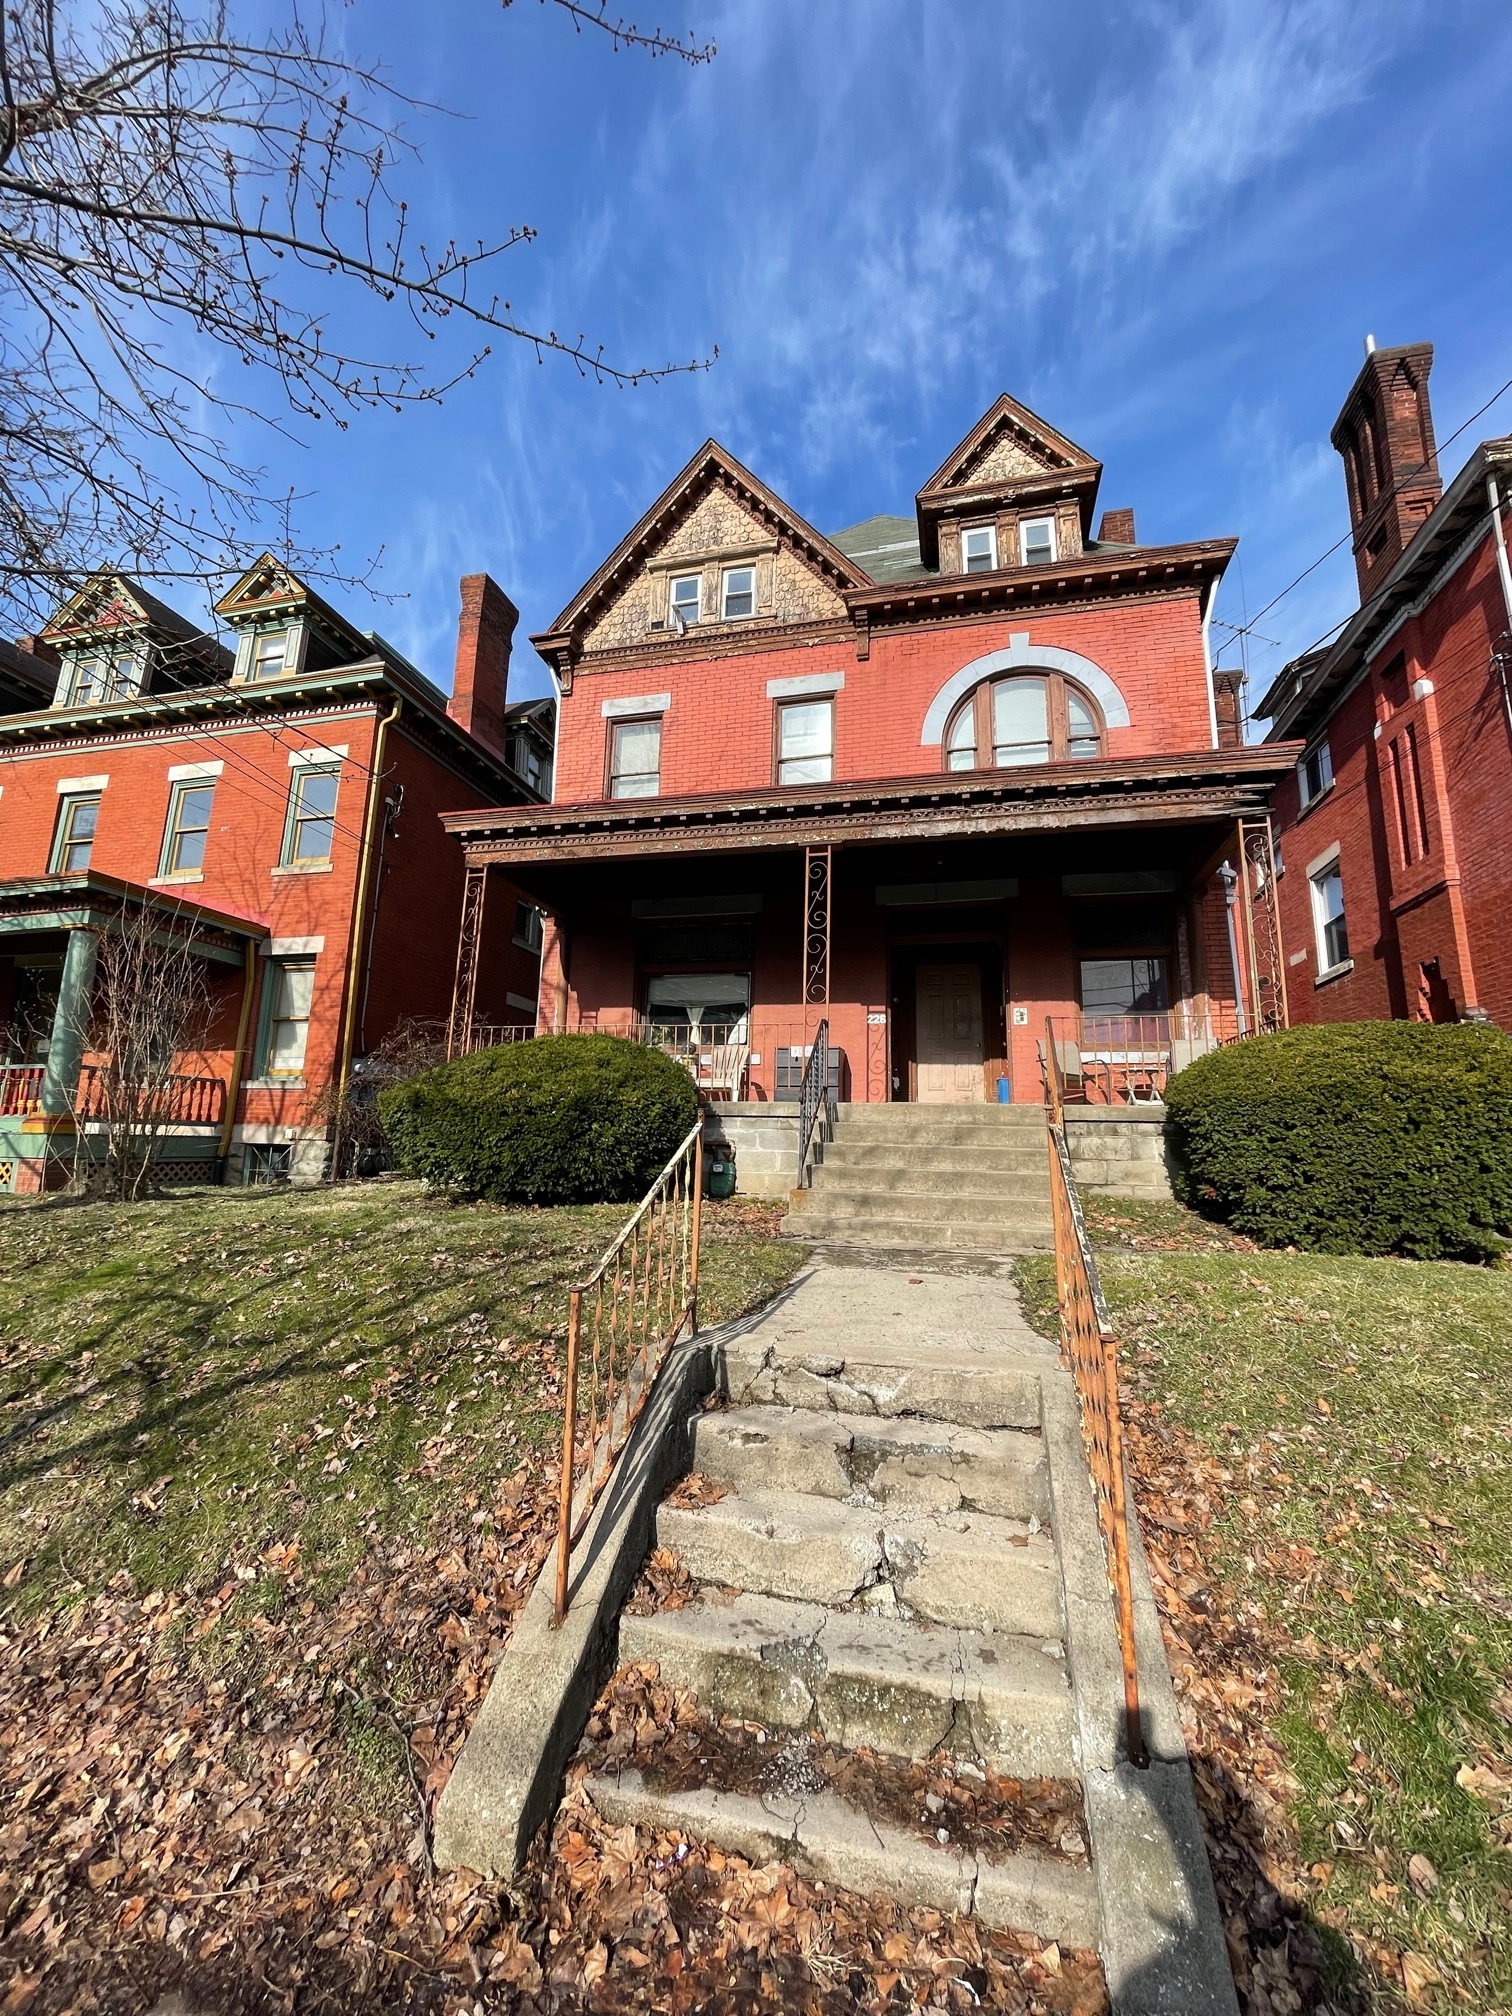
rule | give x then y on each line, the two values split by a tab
1166	225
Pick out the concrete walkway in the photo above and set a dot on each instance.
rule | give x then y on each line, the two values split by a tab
905	1558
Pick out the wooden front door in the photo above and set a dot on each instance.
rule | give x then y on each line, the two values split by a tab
949	1033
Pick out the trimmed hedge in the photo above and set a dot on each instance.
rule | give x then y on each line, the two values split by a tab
555	1120
1355	1137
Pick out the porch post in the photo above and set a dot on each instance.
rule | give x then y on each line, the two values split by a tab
65	1049
816	929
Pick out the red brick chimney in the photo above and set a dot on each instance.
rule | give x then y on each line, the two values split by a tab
1385	435
485	635
1228	705
38	647
1117	528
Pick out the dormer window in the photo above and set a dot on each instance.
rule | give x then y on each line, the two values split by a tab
104	676
687	593
739	593
979	549
1037	541
270	649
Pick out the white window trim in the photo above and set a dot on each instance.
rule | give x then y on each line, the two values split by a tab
1023	531
291	948
1318	748
336	753
181	773
816	683
636	704
1320	866
689	574
740	567
83	783
992	545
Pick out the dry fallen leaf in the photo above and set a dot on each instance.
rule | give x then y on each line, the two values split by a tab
1422	1875
1418	1976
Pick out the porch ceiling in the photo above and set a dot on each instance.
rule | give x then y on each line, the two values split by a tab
1211	787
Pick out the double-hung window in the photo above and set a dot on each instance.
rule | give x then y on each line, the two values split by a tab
310	827
1314	773
1328	917
270	651
187	829
291	990
979	549
73	841
806	742
738	593
687	594
527	931
635	758
113	676
1036	541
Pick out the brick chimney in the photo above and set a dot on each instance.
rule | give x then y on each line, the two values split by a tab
1117	528
1228	706
1385	435
485	635
38	647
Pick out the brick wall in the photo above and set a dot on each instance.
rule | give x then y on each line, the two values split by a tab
717	731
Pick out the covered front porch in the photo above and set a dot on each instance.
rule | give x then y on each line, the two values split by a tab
944	931
65	1080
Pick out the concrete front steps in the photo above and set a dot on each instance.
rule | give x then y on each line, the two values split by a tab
921	1178
879	1573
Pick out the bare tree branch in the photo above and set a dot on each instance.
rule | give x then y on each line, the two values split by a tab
159	176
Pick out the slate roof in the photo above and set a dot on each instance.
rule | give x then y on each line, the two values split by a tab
888	548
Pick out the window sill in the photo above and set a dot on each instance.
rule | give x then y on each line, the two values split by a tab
1334	972
304	868
273	1085
173	881
1313	803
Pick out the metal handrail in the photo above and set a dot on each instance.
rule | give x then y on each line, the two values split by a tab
639	1300
1090	1350
813	1097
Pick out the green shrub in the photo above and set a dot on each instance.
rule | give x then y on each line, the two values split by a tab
556	1120
1356	1137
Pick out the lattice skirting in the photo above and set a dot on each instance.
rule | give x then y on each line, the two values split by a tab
7	1175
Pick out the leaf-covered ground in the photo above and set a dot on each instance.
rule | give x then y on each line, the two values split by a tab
276	1471
276	1474
1322	1451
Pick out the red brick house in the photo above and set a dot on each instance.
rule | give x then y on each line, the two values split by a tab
278	804
939	778
1395	824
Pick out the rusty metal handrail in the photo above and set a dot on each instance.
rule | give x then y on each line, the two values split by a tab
1090	1350
639	1300
813	1096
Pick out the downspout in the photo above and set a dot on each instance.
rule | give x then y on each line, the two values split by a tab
354	957
1207	657
1493	498
1230	883
239	1056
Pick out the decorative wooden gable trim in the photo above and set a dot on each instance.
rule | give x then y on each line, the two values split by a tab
105	605
774	530
1010	455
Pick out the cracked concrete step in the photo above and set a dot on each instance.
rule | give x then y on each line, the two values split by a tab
879	1683
916	1235
964	1568
977	1389
944	1202
936	1467
827	1839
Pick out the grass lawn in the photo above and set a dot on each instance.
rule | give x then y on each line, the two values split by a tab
276	1470
1323	1458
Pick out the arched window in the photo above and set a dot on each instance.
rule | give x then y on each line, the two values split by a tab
1035	717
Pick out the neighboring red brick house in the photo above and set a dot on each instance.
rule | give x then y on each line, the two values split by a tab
1396	824
279	805
938	778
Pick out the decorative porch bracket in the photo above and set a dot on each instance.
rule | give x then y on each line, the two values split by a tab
459	1029
1262	924
816	927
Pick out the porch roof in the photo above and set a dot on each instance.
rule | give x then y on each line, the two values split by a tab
1209	785
32	903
